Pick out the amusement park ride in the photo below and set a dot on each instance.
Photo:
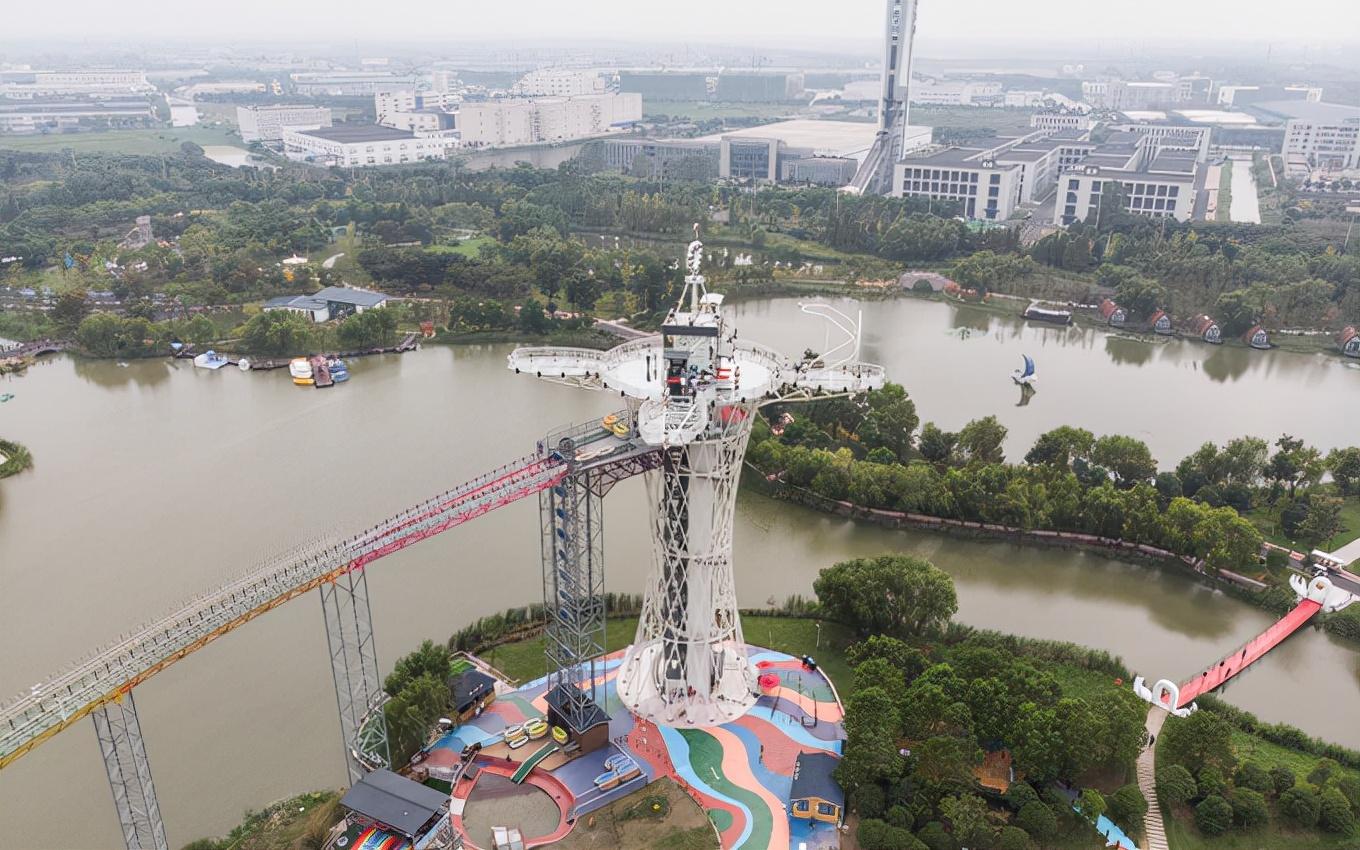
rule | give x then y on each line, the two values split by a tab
691	394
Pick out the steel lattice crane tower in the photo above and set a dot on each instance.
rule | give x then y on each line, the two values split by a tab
875	173
693	392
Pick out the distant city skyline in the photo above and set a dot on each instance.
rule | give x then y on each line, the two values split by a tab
800	23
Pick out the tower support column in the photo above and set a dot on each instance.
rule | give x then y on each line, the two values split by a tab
354	666
134	795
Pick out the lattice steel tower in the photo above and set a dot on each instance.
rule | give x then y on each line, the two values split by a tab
693	393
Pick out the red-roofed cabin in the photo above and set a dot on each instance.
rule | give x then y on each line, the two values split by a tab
1207	329
1112	313
1160	323
1257	337
1349	342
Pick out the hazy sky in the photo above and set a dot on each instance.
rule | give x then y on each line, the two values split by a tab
774	22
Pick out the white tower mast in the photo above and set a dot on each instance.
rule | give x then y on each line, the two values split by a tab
694	390
894	99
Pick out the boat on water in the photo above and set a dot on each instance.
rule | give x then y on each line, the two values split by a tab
210	360
1025	377
243	364
301	371
6	397
339	371
1051	315
321	373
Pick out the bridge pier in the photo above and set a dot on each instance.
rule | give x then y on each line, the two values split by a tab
354	665
134	795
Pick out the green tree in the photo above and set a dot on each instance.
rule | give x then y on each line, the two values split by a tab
1092	804
944	760
902	656
430	659
1324	770
1344	464
936	445
276	332
1130	460
1323	520
1060	447
967	817
890	421
1254	776
981	440
1014	838
411	713
1176	785
70	308
1037	820
1127	807
895	595
875	834
1213	816
1294	464
1301	805
1334	812
1212	781
1249	808
1282	778
871	731
1200	740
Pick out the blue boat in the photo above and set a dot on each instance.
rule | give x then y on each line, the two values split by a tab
339	371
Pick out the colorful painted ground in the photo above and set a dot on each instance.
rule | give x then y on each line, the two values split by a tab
741	772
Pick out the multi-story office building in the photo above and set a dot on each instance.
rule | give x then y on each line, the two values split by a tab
351	83
558	82
1061	120
1193	138
752	87
413	101
1324	136
362	145
1240	96
1142	94
982	187
1156	182
689	159
89	81
267	123
521	121
665	85
61	114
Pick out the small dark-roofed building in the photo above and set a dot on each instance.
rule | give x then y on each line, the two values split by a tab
1257	337
394	804
333	302
1160	323
590	730
470	691
1113	314
815	794
1349	342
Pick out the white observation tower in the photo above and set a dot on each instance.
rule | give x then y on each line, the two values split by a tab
693	391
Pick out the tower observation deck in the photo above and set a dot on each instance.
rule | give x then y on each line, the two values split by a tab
692	393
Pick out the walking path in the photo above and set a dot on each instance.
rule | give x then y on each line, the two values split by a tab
1154	831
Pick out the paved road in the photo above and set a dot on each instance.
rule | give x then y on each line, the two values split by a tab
329	262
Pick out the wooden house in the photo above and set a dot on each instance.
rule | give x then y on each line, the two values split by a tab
470	691
1257	337
815	794
1160	323
1206	329
1349	342
1113	314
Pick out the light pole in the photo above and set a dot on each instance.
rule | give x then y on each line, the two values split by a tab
819	635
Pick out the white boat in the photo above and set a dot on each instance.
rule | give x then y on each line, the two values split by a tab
301	371
1025	377
210	360
243	364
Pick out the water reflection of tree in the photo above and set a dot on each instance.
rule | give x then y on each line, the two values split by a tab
108	374
1132	352
1227	364
971	318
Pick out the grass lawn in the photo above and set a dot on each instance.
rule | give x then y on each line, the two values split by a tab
347	266
1267	520
468	247
1079	683
147	142
1182	835
1268	755
1224	210
524	660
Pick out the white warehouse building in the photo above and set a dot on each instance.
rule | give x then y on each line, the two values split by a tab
362	145
267	123
521	121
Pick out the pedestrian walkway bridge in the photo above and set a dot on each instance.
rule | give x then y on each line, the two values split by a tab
1316	594
111	673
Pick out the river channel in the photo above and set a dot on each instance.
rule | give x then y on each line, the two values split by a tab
155	480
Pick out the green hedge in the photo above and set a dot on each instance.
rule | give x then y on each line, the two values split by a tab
17	458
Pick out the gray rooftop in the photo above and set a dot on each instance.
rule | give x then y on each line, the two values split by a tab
812	778
359	133
1308	110
401	803
329	295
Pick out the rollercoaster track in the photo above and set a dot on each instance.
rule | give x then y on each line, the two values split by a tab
32	718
